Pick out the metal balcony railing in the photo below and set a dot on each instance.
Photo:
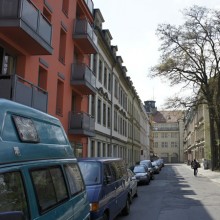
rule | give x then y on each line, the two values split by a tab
82	124
83	77
24	15
15	88
90	5
85	35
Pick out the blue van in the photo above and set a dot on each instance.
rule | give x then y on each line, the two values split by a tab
107	186
39	175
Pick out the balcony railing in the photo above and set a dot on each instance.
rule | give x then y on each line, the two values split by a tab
85	36
83	78
23	23
81	124
90	5
17	89
165	129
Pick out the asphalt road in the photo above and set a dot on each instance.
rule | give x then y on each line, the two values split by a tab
176	194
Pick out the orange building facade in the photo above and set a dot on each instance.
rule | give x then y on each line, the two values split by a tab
45	49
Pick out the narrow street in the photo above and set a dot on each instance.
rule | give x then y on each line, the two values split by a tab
176	194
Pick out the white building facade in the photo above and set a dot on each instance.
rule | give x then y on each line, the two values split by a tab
121	123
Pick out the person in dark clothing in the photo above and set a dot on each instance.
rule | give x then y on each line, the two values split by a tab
195	167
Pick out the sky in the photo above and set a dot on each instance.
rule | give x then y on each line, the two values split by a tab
133	25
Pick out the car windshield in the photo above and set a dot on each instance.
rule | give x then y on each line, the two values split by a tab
139	169
154	163
91	172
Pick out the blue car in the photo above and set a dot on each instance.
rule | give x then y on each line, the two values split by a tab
107	186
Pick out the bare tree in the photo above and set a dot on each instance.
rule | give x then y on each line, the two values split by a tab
190	56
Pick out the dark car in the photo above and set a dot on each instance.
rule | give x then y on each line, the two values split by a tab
148	164
133	184
156	167
142	174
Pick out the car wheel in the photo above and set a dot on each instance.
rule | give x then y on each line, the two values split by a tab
126	209
136	194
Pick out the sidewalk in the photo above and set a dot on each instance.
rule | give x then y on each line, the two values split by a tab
212	175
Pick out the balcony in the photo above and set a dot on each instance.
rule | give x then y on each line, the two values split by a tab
23	23
83	79
90	5
17	89
85	36
81	124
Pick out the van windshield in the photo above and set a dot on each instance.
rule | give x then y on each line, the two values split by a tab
91	172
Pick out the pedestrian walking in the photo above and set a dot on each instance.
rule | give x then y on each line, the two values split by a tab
195	166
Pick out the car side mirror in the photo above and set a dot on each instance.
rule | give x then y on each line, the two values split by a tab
133	178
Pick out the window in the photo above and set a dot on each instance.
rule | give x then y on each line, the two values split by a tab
115	120
47	14
155	144
7	63
92	151
105	77
91	172
109	82
59	103
26	129
94	64
62	49
42	78
99	149
49	187
155	135
100	71
74	179
109	118
109	150
12	193
93	105
104	114
99	111
116	89
104	149
65	7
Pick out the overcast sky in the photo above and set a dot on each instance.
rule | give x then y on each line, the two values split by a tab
132	25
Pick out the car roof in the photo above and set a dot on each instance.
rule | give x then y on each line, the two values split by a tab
99	159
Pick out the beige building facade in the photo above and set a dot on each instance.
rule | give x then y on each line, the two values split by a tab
168	129
197	135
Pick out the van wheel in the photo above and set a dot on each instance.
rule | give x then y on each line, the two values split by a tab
126	209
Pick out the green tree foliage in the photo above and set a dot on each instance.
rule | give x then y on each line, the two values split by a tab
190	57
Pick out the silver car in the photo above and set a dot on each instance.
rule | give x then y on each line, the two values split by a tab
133	184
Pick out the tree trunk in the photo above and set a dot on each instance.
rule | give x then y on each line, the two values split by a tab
213	139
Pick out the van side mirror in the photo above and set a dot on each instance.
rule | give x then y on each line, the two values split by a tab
13	215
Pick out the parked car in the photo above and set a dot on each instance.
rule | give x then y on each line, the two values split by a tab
107	186
155	166
133	184
142	174
148	164
159	163
39	174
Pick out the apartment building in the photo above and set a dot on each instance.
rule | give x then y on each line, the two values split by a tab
120	119
197	134
45	49
53	59
168	128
